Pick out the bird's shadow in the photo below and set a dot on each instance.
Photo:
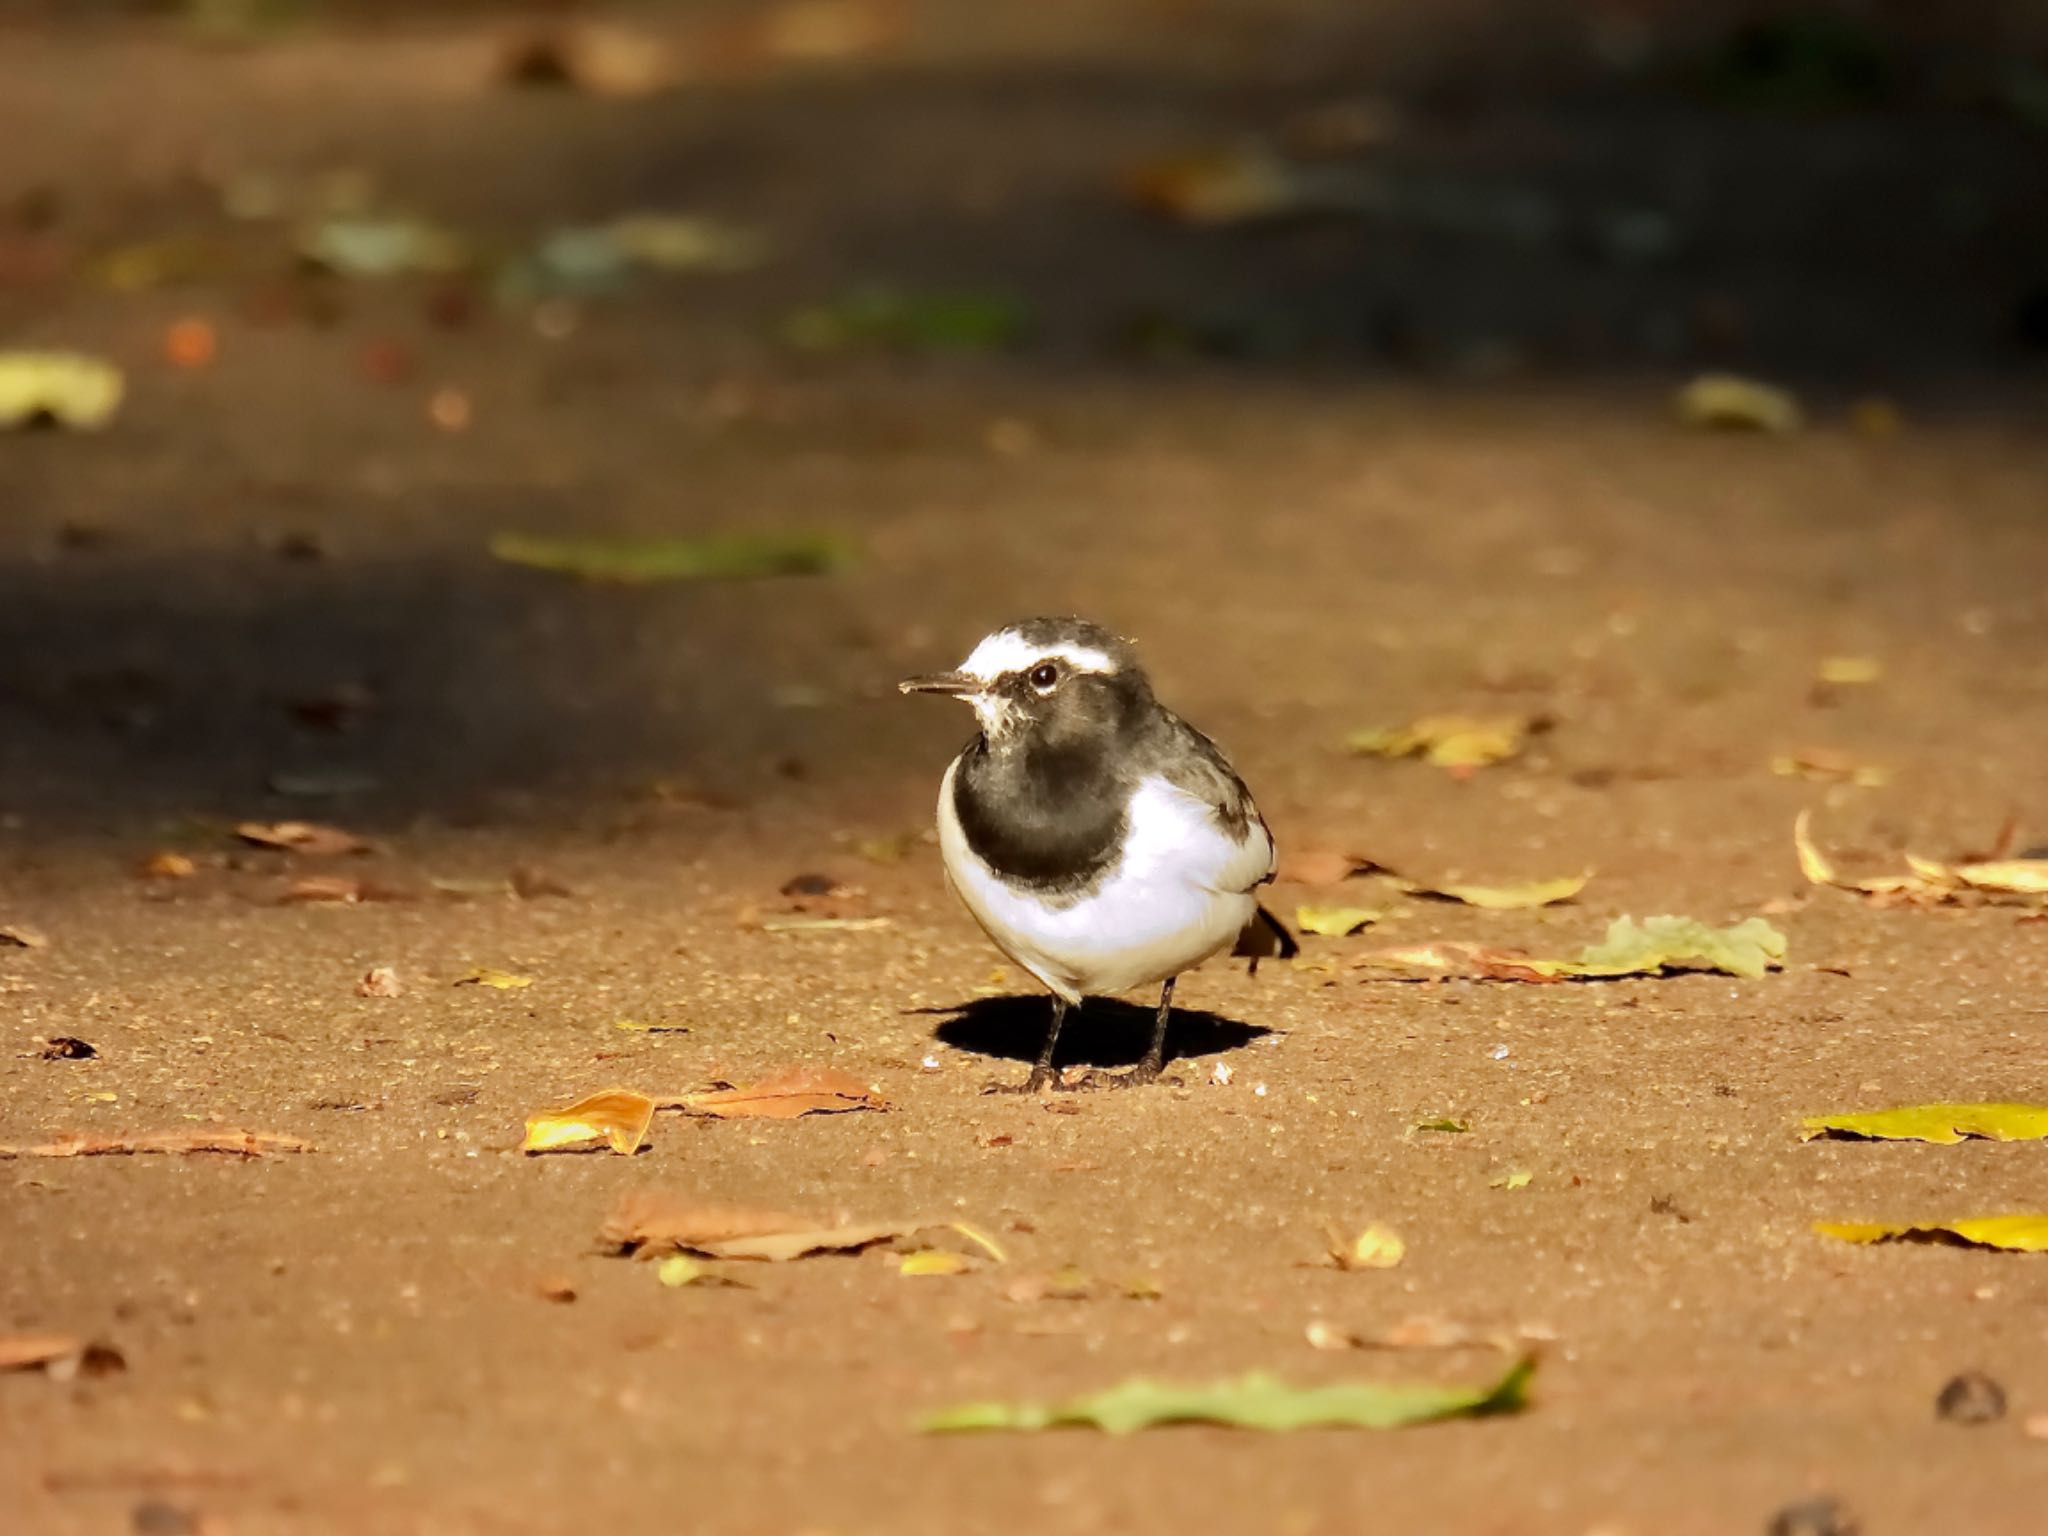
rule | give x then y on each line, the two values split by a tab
1102	1032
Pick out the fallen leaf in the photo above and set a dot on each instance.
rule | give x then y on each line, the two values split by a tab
1970	1398
635	1026
1725	400
502	981
1657	946
1943	1124
888	850
617	1116
1334	922
679	1270
932	1261
1929	882
233	1143
1518	1179
1448	741
60	1356
1850	671
783	1095
347	889
68	1048
1445	1124
1321	866
2017	1233
672	242
18	936
1256	1401
1377	1247
307	837
1244	185
927	322
804	924
167	866
369	246
1503	898
1660	945
717	557
1823	765
648	1224
65	389
531	884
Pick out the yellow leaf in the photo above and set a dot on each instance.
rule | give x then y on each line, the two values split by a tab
1818	870
1334	922
1944	1124
2020	1232
1505	898
678	1270
932	1261
1821	765
1998	877
981	1240
1519	1179
1448	741
1377	1247
68	388
502	981
618	1116
1726	400
1850	671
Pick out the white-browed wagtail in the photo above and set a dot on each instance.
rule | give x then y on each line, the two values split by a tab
1101	841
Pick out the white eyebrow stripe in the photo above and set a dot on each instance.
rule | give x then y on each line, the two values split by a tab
1007	651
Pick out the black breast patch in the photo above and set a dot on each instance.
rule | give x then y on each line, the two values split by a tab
1051	821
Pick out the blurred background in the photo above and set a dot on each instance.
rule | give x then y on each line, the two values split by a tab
1333	339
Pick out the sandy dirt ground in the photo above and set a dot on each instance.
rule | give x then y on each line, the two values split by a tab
1454	484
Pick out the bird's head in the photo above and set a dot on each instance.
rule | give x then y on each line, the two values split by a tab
1059	680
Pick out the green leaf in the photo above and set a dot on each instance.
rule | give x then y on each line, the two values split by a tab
1504	898
932	322
383	247
2023	1232
1334	922
1659	944
1944	1124
1256	1401
1444	1124
715	557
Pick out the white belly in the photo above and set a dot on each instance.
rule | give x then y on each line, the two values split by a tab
1180	893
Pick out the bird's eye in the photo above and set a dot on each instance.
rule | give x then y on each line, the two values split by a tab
1044	675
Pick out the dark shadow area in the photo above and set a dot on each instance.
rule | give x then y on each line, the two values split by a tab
1104	1032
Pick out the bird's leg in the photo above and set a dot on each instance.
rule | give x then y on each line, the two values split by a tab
1042	1075
1154	1062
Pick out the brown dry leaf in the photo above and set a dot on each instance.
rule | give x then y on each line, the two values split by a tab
167	866
308	837
647	1224
20	937
531	884
60	1356
340	888
783	1095
1825	765
1322	866
617	1116
1449	959
232	1143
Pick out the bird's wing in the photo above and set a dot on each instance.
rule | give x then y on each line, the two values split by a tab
1199	769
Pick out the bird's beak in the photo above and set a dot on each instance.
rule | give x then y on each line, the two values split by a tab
953	683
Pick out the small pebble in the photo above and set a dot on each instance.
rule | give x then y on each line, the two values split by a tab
1971	1398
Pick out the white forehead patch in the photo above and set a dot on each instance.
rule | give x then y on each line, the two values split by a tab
1008	651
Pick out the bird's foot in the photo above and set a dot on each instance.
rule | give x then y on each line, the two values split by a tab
1147	1071
1041	1080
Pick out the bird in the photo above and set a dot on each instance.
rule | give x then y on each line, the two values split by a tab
1100	841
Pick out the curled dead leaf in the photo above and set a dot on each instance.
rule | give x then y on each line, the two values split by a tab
231	1143
618	1117
311	838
